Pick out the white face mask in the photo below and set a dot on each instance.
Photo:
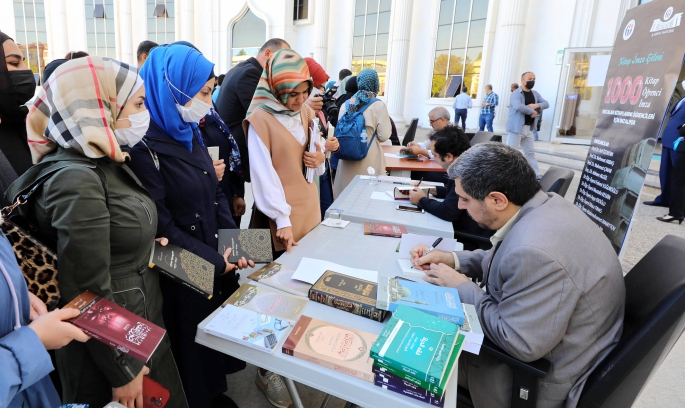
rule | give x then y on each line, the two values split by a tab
193	113
132	135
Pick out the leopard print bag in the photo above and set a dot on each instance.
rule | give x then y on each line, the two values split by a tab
37	261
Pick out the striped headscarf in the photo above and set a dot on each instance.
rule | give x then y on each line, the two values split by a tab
368	84
285	72
78	106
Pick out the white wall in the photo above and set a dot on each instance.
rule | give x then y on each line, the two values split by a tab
7	24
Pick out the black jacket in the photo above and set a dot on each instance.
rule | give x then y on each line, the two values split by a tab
448	210
231	184
190	204
234	99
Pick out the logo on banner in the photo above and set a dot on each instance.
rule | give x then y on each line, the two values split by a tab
629	30
670	22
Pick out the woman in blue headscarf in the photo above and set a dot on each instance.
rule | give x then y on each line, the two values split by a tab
376	119
174	165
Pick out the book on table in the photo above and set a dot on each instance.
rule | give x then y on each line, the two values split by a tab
333	346
471	329
384	230
268	301
244	326
253	244
280	277
115	326
184	267
439	301
354	295
396	384
420	345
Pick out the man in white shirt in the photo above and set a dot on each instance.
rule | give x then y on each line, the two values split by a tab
462	104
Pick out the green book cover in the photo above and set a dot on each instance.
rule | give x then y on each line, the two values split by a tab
382	368
419	344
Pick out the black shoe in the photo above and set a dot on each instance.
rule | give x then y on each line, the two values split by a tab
654	204
669	218
222	401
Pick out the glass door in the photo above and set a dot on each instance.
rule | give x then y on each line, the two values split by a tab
579	94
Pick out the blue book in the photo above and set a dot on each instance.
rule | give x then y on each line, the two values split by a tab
420	345
437	301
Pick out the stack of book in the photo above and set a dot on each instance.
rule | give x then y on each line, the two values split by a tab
353	295
415	355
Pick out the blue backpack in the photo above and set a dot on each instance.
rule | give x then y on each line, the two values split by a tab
349	132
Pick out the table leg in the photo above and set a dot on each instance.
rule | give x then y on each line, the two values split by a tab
325	401
294	394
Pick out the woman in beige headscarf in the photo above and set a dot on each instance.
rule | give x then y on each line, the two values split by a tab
101	219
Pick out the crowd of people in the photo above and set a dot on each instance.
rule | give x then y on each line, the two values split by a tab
120	158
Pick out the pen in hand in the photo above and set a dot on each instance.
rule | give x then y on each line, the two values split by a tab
436	243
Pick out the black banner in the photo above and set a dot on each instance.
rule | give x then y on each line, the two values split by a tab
645	65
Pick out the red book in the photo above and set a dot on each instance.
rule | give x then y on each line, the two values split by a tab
384	230
115	326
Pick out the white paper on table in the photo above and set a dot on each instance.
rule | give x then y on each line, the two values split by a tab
310	270
394	155
411	241
364	177
394	179
385	196
330	222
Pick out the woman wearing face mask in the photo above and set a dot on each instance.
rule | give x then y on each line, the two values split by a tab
17	86
100	218
174	165
278	131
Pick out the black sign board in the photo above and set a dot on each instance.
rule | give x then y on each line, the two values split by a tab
645	64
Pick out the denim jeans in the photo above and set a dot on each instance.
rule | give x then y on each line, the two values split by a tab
325	191
461	113
486	120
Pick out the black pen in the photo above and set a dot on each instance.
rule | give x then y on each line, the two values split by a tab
417	186
436	243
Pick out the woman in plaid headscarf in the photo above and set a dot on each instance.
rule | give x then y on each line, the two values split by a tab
100	219
278	121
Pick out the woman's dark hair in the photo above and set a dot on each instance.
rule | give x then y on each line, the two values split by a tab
494	166
344	73
450	139
221	79
75	54
145	47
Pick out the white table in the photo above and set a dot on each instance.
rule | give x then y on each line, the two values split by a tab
357	206
349	247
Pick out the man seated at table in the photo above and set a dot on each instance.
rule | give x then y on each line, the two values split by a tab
553	283
448	144
438	118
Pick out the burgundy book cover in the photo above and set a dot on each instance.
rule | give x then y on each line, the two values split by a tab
384	230
115	326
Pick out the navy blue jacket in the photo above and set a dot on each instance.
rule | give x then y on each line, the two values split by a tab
676	119
448	210
231	184
190	204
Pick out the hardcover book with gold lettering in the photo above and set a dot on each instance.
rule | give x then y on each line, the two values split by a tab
346	293
268	301
329	345
184	267
253	244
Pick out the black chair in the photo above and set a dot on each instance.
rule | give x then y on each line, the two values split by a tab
556	180
483	137
654	321
411	132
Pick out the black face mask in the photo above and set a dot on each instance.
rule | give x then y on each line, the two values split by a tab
530	84
24	85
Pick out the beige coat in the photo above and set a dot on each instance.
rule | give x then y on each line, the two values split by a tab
375	117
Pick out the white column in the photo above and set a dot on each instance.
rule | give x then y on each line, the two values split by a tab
397	64
511	23
58	36
187	17
138	26
76	25
124	32
7	24
321	33
202	23
583	22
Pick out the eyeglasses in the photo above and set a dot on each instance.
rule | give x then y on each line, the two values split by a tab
434	120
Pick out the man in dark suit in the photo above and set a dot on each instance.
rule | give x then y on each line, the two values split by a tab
447	145
668	137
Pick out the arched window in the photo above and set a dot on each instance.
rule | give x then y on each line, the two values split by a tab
249	34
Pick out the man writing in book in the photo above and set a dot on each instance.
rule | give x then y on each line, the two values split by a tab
553	285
